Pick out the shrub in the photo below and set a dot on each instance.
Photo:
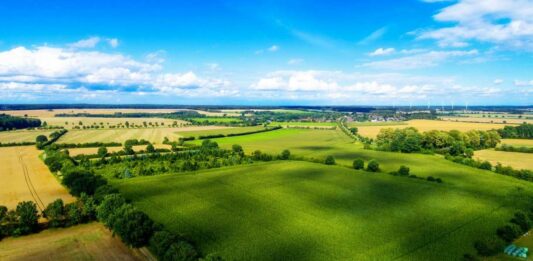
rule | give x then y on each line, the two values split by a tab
485	165
102	152
430	178
102	191
110	204
489	246
285	155
509	232
522	221
28	218
160	242
54	212
330	160
373	166
358	164
82	181
237	148
181	251
133	226
403	171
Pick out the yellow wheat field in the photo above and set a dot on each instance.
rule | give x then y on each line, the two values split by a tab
516	160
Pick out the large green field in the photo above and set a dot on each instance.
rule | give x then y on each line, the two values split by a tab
289	210
224	131
303	123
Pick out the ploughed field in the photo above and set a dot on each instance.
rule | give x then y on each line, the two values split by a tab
295	210
308	211
24	177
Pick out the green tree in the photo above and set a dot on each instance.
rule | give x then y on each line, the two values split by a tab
373	166
109	205
102	152
150	148
41	139
285	154
330	160
134	227
181	250
237	149
403	171
358	164
55	213
160	242
28	217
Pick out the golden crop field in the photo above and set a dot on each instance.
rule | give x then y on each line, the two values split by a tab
71	122
154	135
427	125
82	242
52	113
22	135
89	151
488	120
24	177
516	160
518	142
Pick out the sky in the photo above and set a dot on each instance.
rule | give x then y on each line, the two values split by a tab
230	52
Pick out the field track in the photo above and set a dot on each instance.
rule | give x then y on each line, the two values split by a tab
30	186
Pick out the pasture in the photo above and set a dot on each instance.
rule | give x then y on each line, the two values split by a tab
516	160
22	135
290	210
24	177
83	242
427	125
154	135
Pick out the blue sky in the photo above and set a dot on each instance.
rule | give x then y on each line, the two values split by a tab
267	52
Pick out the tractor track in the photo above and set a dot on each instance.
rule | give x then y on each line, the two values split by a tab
29	184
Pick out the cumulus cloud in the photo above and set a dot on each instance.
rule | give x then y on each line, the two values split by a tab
382	52
90	42
504	23
420	60
273	48
67	69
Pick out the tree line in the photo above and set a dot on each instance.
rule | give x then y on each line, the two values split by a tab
522	131
8	122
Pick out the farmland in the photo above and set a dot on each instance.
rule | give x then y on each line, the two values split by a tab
22	135
518	142
90	151
80	122
83	242
516	160
308	211
218	119
154	135
25	178
223	131
427	125
303	124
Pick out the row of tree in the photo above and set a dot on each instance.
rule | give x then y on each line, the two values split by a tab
8	122
523	131
446	142
523	174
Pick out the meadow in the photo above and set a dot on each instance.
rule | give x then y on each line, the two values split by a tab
289	210
83	242
154	135
22	135
24	177
427	125
516	160
223	131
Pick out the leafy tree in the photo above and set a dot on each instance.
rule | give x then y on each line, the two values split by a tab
373	166
108	206
41	139
82	181
181	250
354	130
102	151
28	217
160	242
403	171
330	160
237	149
469	152
150	148
485	165
134	227
509	232
285	154
54	212
358	164
489	246
522	221
103	191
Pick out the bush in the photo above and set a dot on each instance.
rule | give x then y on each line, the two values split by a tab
522	220
358	164
237	149
181	251
485	165
330	160
403	171
489	246
373	166
54	212
160	242
133	226
509	232
108	206
82	181
103	191
285	155
28	218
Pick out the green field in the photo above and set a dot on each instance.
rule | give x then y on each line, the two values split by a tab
224	131
290	210
218	119
155	135
381	123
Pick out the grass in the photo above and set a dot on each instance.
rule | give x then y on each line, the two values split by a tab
224	131
22	135
83	242
25	177
427	125
516	160
289	210
518	142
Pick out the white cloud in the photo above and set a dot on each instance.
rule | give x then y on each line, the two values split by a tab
506	23
295	61
213	66
382	52
375	35
498	81
422	60
273	48
523	83
113	42
90	42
